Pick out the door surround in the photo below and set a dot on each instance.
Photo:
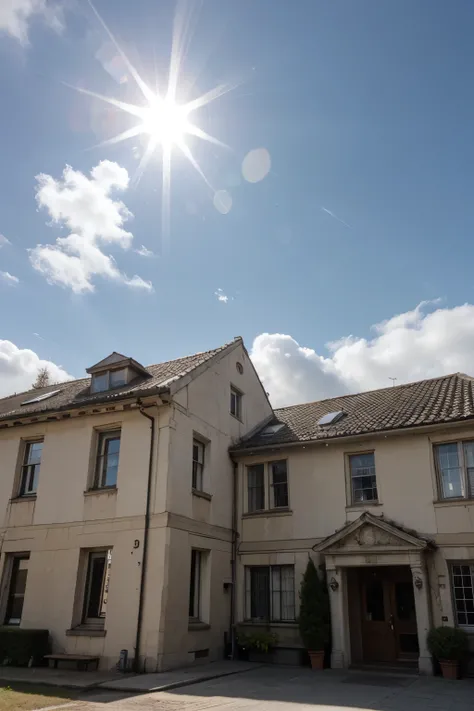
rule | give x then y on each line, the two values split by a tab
372	541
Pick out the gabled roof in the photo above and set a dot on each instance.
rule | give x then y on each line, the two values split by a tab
449	398
117	360
76	393
371	532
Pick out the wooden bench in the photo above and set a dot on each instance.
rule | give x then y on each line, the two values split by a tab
82	660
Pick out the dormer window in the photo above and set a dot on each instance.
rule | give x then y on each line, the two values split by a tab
108	380
115	371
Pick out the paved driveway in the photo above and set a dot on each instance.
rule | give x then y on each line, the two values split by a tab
292	689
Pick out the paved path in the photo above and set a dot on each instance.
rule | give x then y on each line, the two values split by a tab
293	689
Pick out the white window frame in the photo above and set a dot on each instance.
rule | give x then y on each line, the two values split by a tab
466	493
452	566
109	374
90	556
197	481
103	437
268	487
238	395
273	594
352	500
29	472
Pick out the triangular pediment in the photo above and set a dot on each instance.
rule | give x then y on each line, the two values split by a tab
371	533
112	359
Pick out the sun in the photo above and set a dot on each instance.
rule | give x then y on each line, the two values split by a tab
166	122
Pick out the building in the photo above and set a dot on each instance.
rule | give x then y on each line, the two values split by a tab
155	509
379	487
116	506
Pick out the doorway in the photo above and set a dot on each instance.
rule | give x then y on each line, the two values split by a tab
385	607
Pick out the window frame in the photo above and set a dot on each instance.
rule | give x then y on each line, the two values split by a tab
92	555
195	585
29	472
351	499
465	487
12	561
108	374
268	487
452	564
272	485
197	476
270	593
238	399
260	487
101	454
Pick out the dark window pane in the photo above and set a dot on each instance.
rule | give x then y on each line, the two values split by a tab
195	585
260	593
16	592
256	487
449	468
405	601
95	587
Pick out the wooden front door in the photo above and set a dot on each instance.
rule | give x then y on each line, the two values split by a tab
388	619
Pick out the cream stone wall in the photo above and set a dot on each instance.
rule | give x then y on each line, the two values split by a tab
319	505
201	409
65	519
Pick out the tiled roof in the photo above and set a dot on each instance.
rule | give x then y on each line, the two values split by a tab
446	399
75	393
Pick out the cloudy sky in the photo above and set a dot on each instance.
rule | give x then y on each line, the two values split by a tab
302	176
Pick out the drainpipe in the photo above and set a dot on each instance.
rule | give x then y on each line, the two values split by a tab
136	660
233	595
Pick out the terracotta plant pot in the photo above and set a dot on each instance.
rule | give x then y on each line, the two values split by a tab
317	660
449	668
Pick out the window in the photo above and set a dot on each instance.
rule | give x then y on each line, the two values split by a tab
455	465
97	586
30	468
198	464
270	593
236	403
108	452
279	484
363	482
331	418
256	487
16	590
40	398
195	585
463	588
110	379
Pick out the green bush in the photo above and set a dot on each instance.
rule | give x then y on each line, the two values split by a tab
18	645
259	641
448	643
315	617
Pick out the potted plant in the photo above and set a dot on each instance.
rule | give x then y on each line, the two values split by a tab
314	618
448	645
256	646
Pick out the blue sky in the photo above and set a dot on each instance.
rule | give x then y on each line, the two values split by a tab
365	110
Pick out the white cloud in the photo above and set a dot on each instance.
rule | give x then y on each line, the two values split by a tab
221	296
8	278
19	368
144	252
4	241
421	343
16	15
85	207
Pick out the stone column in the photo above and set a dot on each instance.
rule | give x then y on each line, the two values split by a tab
423	617
336	597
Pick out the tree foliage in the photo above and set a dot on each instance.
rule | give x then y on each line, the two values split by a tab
315	618
43	378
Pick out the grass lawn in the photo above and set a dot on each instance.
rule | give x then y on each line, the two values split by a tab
25	697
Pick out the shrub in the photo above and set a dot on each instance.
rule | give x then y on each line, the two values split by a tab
18	645
448	643
259	641
315	618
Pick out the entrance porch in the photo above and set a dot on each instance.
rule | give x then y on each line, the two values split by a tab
379	594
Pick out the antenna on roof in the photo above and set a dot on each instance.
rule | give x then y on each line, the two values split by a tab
393	381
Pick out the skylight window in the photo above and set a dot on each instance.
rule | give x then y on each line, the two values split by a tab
271	429
331	418
40	398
